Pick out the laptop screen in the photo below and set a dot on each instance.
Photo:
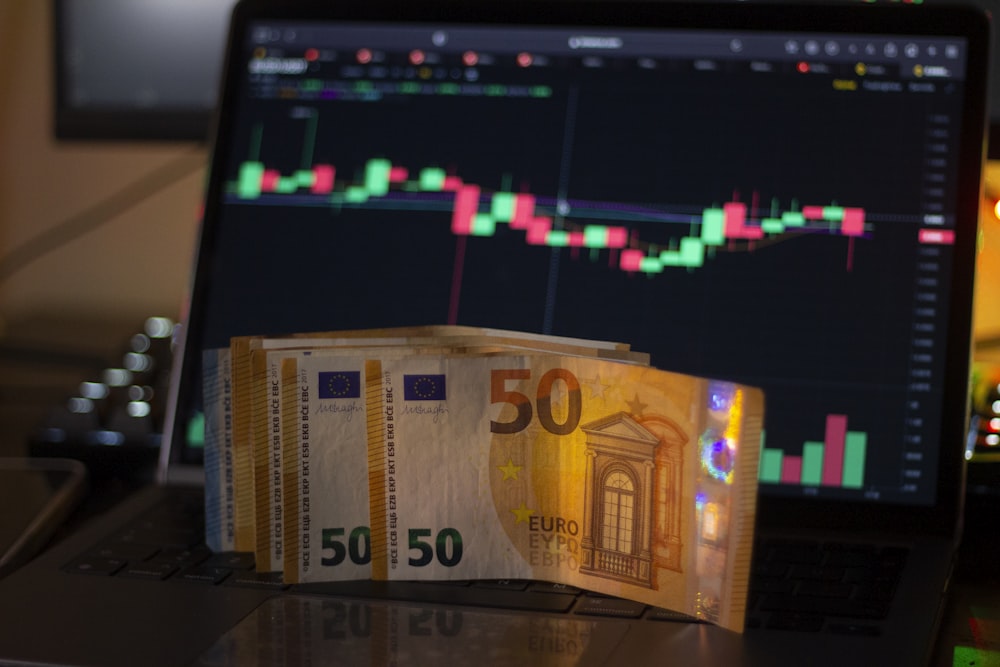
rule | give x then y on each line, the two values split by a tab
779	208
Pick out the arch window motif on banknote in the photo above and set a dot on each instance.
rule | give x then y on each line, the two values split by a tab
619	528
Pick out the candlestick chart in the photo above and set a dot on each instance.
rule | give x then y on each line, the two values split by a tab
719	260
474	211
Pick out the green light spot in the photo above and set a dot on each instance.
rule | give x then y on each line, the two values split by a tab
503	206
432	179
670	258
833	213
651	265
196	430
772	226
793	219
483	225
557	238
248	183
356	195
595	236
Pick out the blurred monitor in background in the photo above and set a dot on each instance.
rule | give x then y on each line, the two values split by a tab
137	69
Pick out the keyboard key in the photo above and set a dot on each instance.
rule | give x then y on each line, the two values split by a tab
822	606
548	587
98	566
876	592
773	585
234	560
182	558
125	551
154	571
851	557
253	579
806	552
203	575
816	572
771	569
796	622
892	558
157	537
826	589
502	584
856	629
603	606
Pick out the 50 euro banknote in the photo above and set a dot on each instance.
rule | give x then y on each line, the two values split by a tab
242	485
616	478
287	427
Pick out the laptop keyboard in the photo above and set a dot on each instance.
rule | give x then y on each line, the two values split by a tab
813	586
808	587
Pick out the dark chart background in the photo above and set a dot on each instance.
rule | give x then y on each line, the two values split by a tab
825	323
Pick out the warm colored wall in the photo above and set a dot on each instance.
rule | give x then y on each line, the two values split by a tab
132	265
137	263
988	278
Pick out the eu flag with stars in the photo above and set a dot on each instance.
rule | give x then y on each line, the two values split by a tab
423	388
340	384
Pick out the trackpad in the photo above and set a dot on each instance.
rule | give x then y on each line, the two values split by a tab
309	630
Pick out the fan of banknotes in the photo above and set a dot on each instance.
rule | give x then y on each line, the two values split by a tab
460	453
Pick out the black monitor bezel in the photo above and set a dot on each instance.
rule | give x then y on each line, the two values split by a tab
71	122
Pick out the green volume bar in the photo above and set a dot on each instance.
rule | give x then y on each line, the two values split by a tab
812	463
770	465
248	183
855	447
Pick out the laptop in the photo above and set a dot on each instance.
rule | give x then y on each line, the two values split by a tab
783	196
